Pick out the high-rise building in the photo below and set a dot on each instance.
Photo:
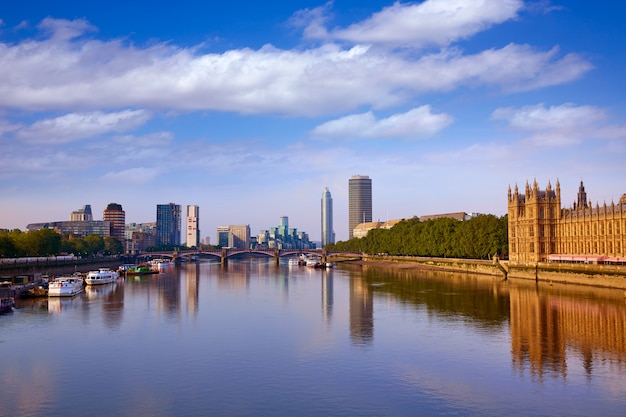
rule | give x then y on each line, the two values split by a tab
328	235
359	201
193	232
222	236
82	215
168	224
117	217
239	236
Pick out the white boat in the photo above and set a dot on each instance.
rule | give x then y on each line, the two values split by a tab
294	262
161	263
101	276
65	286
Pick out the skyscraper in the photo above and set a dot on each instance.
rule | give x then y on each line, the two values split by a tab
359	201
193	232
328	235
117	217
168	224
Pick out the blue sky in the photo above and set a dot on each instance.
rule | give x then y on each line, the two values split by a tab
250	109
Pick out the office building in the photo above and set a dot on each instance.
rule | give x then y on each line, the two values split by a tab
82	215
328	234
359	202
168	224
193	231
222	236
239	236
117	217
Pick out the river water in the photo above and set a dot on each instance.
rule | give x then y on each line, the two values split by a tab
253	339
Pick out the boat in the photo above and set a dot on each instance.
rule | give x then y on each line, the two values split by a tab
6	304
101	276
65	286
161	263
294	262
141	270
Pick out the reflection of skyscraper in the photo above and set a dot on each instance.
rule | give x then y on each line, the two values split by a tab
361	312
359	201
327	295
193	231
168	224
117	217
328	235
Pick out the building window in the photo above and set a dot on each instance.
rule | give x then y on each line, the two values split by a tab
532	247
532	231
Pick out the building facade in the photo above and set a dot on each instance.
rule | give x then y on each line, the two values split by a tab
193	231
239	236
78	229
82	215
541	230
117	217
328	234
168	224
359	202
283	237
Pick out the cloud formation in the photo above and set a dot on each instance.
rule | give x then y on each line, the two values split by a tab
66	70
76	126
562	125
414	124
416	25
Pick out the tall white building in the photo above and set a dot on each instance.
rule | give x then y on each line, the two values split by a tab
193	231
328	234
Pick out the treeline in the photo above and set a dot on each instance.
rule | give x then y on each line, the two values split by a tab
477	238
46	242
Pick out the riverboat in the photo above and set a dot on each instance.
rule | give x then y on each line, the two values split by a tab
66	286
141	270
101	276
6	304
294	262
161	263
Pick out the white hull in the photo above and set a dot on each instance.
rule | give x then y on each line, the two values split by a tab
100	277
65	287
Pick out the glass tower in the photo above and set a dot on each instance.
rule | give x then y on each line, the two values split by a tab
328	235
359	201
168	224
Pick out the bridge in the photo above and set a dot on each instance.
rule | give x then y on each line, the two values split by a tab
225	253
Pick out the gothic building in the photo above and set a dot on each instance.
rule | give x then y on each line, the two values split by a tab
540	230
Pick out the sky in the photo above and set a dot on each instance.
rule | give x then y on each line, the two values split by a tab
250	109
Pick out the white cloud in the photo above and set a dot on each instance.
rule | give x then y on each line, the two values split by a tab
415	123
139	175
415	25
76	126
71	73
562	125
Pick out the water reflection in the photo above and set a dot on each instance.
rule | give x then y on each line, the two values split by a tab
552	328
327	295
551	324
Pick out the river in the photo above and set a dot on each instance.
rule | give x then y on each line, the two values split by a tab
253	339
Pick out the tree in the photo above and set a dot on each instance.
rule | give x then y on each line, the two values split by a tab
113	246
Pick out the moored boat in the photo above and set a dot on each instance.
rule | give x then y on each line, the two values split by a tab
6	304
161	263
67	286
294	262
141	270
101	276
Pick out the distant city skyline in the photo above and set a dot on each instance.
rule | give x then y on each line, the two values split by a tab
249	111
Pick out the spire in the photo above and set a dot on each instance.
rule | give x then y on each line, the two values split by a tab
582	196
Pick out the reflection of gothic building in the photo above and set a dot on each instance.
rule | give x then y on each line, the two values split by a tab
539	227
547	328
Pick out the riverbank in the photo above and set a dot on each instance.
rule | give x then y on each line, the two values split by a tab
605	276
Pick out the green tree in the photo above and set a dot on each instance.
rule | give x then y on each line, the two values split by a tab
113	246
